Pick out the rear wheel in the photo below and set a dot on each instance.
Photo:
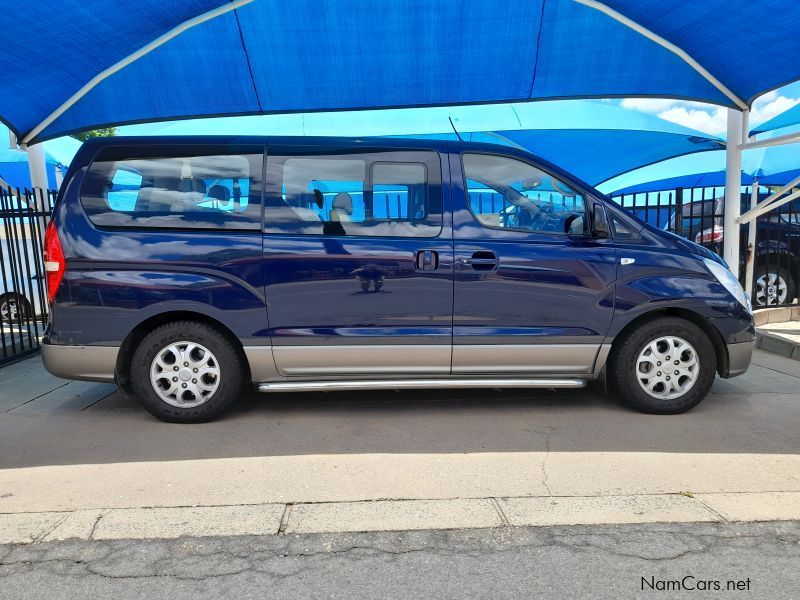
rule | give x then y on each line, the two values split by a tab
186	372
14	307
665	366
772	286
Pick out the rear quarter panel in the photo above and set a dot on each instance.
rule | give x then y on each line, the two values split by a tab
118	278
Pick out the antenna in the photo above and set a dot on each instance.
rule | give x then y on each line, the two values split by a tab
458	135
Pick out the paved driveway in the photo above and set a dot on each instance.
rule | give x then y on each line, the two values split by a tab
71	446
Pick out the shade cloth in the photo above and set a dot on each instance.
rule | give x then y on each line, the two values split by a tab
311	55
594	140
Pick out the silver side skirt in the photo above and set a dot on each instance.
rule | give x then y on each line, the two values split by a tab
404	384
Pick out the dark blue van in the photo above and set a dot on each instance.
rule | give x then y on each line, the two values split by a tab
185	269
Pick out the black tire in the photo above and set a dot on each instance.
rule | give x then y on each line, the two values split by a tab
23	308
760	298
623	367
227	359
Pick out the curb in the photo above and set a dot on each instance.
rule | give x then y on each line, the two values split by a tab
395	515
774	342
777	344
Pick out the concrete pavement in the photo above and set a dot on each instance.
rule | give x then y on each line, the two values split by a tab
70	452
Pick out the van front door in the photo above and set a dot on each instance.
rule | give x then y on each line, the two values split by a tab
358	262
532	295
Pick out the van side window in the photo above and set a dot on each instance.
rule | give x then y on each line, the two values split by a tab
209	191
510	194
359	194
621	230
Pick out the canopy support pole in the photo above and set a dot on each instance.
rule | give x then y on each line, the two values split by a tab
679	52
772	201
37	166
143	51
733	185
751	242
789	138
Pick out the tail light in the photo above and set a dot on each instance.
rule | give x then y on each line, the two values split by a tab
54	265
709	236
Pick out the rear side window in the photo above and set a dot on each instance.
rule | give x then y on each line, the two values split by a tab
354	194
510	194
156	187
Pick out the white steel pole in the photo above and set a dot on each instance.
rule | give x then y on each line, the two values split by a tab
733	184
751	242
59	176
37	166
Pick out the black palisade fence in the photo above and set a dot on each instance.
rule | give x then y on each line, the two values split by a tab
24	215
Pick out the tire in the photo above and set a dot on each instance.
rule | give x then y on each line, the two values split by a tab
14	307
639	351
772	286
181	395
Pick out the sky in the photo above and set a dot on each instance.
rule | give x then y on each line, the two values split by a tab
711	119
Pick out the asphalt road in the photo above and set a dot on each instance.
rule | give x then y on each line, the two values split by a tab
597	562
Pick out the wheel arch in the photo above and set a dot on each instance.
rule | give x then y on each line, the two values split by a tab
720	349
138	333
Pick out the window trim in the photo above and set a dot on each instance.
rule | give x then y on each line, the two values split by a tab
560	235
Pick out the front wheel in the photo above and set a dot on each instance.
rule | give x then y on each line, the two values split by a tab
186	372
665	366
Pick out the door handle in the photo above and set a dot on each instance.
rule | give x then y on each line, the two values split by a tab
426	260
483	260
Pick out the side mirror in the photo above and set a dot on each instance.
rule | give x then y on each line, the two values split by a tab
600	227
574	225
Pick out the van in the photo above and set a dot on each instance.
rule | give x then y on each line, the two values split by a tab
187	269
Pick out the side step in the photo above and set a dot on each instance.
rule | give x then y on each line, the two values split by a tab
411	384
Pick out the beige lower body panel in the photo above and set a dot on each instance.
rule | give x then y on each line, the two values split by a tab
364	360
86	363
552	359
367	361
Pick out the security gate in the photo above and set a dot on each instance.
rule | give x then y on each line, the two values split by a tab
24	214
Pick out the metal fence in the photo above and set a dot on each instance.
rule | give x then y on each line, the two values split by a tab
24	215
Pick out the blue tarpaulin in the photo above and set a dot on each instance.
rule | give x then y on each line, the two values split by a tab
594	140
311	55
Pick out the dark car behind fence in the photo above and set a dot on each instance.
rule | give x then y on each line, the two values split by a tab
694	213
24	214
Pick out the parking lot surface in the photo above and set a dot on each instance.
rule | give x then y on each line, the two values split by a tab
315	462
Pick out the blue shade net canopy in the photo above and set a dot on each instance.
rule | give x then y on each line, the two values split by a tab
140	60
772	166
595	140
787	118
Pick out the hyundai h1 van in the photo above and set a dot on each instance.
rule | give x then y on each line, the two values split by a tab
186	269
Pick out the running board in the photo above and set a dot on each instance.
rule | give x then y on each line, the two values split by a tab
412	384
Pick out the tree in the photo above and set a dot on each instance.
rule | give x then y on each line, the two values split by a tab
90	133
